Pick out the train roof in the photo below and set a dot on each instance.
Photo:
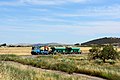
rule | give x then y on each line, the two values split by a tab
75	47
60	47
65	47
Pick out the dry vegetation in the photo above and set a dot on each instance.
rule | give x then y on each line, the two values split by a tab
27	50
69	64
16	71
85	49
16	50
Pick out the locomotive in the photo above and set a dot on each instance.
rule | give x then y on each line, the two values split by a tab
45	50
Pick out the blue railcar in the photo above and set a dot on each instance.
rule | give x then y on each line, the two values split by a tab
36	50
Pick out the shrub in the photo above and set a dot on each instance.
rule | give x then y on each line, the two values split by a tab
98	61
94	52
111	61
66	67
8	57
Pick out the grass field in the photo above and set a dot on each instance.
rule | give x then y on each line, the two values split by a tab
70	64
16	71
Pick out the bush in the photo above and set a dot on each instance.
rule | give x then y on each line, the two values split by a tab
66	67
98	61
111	61
94	52
8	57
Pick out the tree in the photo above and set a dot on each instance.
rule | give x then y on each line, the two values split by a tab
108	52
77	44
3	44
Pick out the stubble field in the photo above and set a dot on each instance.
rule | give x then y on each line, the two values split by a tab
27	50
16	50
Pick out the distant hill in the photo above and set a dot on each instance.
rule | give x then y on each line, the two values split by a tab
51	44
102	41
45	44
37	44
29	45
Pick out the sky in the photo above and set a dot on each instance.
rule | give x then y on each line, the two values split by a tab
61	21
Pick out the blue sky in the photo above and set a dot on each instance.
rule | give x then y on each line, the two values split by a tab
62	21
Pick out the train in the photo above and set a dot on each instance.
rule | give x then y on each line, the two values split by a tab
46	50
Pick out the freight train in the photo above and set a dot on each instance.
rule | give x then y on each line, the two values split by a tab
45	50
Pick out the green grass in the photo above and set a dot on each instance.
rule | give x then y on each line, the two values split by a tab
70	64
10	71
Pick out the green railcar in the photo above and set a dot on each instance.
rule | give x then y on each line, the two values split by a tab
66	50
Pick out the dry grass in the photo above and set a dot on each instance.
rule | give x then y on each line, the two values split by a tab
16	50
27	50
75	63
85	49
118	49
16	71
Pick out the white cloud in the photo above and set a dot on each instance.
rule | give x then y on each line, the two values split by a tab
106	11
11	3
40	2
52	2
47	19
97	27
39	9
79	1
105	24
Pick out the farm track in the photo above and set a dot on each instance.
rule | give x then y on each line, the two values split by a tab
19	65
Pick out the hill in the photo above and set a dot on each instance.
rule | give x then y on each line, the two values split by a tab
103	41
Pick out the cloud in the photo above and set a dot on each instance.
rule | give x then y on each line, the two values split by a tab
106	11
96	27
11	3
48	19
96	30
52	2
39	2
41	10
38	28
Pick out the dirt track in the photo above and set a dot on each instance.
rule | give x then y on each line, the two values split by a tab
19	65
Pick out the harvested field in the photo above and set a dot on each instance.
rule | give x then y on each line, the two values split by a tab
16	50
27	50
85	49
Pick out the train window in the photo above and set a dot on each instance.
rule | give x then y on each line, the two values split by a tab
75	50
59	50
